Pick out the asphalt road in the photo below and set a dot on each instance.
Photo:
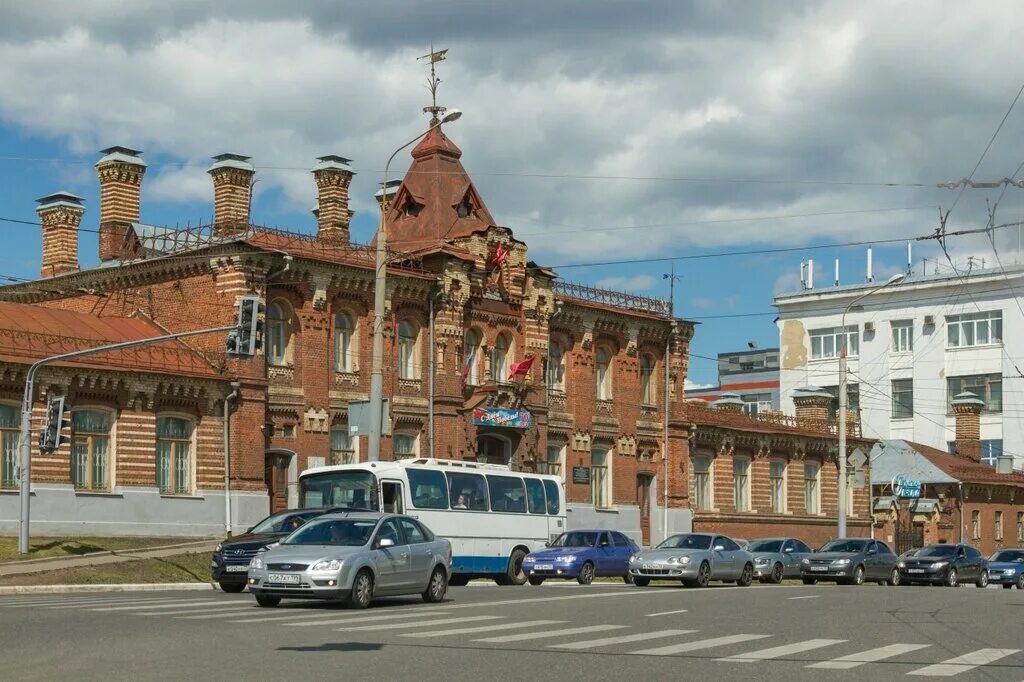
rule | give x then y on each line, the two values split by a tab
563	632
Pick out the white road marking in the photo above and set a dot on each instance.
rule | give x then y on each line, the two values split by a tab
219	613
955	666
173	605
698	645
67	603
484	628
625	639
191	610
666	613
869	656
420	624
809	596
549	633
353	618
293	614
780	651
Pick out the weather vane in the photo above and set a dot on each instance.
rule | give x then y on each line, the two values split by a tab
432	83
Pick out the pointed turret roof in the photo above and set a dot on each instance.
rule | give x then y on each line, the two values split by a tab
436	201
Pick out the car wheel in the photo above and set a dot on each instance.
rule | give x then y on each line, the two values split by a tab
515	574
982	580
776	574
858	576
267	601
535	581
746	577
952	580
810	581
586	575
232	588
628	578
1020	582
437	587
362	590
458	581
703	575
894	578
641	582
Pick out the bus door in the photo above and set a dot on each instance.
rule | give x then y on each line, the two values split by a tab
391	497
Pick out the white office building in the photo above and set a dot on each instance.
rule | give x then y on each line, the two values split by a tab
912	346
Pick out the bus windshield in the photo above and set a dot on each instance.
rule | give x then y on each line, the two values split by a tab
352	488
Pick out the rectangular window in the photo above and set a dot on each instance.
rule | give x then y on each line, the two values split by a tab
507	494
902	398
902	336
428	488
10	430
811	487
852	398
552	466
535	495
551	493
991	450
467	491
702	483
826	343
755	403
600	478
90	443
974	329
777	484
404	445
741	484
988	387
1020	526
999	525
173	466
342	450
976	525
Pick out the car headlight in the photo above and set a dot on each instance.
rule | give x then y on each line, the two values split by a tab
682	560
529	560
325	565
568	558
218	548
841	562
256	562
806	562
939	564
1009	571
903	564
761	560
635	557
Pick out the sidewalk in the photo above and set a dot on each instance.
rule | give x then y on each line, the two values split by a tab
99	558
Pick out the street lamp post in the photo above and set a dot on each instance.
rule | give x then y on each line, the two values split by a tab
379	291
841	487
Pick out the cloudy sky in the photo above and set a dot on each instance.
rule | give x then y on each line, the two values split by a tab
598	131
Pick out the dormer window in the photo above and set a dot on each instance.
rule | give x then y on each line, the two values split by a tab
465	207
410	209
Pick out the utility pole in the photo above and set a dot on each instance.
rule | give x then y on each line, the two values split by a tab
671	277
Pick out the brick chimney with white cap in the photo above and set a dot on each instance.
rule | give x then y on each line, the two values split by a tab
232	192
120	172
333	177
60	214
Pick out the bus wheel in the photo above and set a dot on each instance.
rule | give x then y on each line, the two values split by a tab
516	575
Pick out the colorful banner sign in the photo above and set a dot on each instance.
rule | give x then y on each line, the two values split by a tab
500	416
908	488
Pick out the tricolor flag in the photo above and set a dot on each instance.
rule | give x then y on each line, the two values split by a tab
500	254
468	367
521	369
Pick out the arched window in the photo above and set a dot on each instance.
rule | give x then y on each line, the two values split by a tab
279	333
344	337
173	455
556	366
501	358
603	373
647	380
90	449
408	335
470	359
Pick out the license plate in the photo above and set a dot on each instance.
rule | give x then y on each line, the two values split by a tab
543	567
915	570
237	569
287	578
648	567
821	569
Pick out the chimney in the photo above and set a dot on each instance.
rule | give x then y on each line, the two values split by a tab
232	193
811	405
333	216
967	408
729	402
60	215
120	172
391	190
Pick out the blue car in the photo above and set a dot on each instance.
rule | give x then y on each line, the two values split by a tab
583	555
1006	568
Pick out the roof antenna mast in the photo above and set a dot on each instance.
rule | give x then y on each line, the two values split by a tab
435	111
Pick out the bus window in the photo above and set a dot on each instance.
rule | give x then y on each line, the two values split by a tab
351	488
552	490
429	490
391	491
535	495
467	491
507	494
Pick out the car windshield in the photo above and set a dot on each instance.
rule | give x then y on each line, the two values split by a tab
342	532
765	546
686	542
284	522
844	546
936	551
1009	555
576	539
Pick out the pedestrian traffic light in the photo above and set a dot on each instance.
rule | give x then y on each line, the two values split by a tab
247	337
51	439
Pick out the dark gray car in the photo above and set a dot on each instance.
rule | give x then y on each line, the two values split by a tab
777	558
851	561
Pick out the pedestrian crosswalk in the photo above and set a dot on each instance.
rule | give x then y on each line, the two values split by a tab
494	626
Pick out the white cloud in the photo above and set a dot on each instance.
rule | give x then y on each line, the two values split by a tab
694	386
635	283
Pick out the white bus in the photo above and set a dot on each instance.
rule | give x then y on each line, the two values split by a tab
493	516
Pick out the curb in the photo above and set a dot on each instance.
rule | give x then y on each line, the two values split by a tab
137	587
127	552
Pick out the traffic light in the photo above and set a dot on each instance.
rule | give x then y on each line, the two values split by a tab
51	439
247	337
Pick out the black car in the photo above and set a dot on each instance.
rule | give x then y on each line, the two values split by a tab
230	563
944	565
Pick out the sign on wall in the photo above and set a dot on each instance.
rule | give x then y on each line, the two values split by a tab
501	416
905	487
581	475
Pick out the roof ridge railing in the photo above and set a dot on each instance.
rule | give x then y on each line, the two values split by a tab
618	299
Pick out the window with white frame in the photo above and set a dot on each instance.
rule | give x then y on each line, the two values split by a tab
90	449
826	343
902	398
974	329
601	477
408	338
603	373
902	336
741	484
811	488
647	391
471	357
501	358
174	455
405	444
702	483
342	446
556	365
987	387
976	525
554	464
756	403
279	333
344	339
1020	526
777	485
10	429
999	526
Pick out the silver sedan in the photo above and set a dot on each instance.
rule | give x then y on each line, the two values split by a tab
777	558
352	558
694	559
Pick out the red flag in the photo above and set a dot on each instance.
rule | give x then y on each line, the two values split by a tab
500	254
468	367
520	369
